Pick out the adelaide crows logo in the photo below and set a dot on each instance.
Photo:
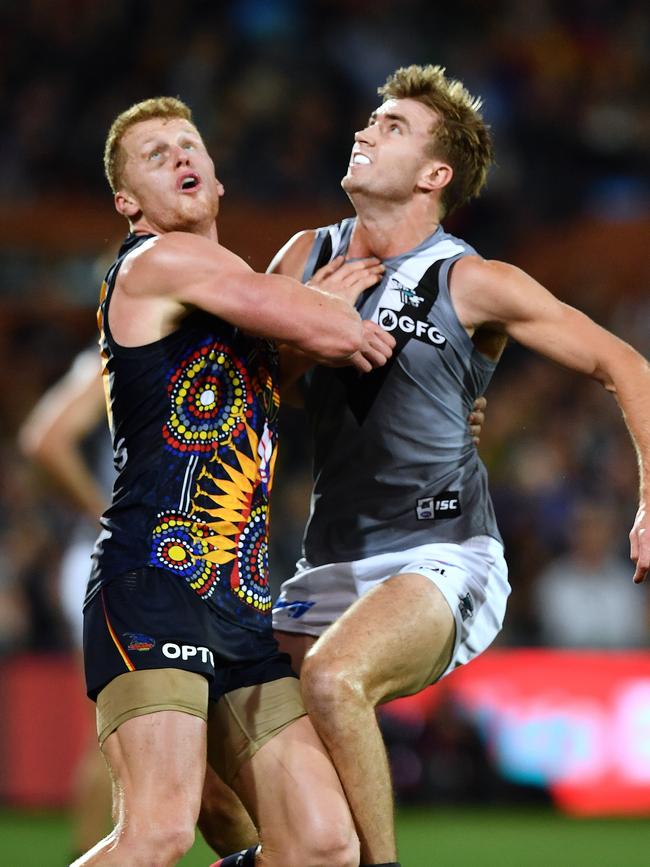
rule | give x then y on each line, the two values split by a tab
138	641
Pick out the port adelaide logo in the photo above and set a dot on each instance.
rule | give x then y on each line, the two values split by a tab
421	329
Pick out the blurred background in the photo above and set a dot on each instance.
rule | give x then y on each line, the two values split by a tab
278	87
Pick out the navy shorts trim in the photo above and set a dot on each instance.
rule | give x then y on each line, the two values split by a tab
149	619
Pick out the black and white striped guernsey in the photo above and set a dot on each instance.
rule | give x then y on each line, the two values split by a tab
394	462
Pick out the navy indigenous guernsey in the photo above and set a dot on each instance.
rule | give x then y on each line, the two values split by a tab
193	418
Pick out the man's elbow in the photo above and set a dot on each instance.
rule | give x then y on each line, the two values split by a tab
29	444
35	446
623	364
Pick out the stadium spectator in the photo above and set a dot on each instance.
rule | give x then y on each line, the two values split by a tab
584	597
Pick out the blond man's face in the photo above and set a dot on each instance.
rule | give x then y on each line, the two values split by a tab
168	174
390	153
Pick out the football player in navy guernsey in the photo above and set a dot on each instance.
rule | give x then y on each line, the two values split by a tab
403	576
178	646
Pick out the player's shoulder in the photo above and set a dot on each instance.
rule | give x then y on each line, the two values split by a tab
141	268
292	257
164	249
160	262
490	291
473	272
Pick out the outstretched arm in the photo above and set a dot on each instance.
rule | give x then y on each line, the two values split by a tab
505	298
53	432
346	280
171	274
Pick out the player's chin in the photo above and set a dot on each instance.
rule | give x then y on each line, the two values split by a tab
195	214
349	183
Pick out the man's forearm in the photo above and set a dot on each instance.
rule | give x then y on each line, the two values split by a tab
630	383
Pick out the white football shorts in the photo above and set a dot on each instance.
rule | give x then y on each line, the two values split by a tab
73	576
471	575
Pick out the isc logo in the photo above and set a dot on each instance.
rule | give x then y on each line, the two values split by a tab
445	505
187	651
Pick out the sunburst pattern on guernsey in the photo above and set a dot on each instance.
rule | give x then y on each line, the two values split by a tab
228	527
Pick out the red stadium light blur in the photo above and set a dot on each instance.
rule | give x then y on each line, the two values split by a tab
575	722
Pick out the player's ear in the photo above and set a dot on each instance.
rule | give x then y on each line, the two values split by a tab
435	175
126	204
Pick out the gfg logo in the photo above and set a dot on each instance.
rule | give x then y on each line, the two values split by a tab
390	320
187	651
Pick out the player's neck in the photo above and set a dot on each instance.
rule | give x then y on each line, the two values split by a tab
390	231
145	226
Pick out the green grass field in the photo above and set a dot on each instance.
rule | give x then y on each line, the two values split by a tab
427	838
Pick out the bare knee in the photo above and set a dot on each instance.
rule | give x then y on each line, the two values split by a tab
334	844
148	832
336	847
174	839
329	836
155	835
158	843
329	687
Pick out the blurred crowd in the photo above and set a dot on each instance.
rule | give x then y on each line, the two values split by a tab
278	87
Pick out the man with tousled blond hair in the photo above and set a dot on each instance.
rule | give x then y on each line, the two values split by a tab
403	576
178	646
158	108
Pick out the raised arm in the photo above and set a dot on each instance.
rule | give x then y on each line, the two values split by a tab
345	280
504	298
53	432
178	271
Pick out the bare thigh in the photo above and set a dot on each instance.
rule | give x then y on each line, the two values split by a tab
295	797
154	754
157	762
394	640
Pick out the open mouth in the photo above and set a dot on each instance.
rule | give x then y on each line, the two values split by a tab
359	159
189	182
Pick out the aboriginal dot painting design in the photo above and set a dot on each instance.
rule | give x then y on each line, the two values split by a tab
211	398
182	545
253	558
223	538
